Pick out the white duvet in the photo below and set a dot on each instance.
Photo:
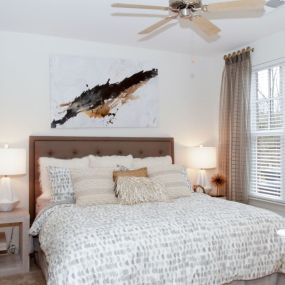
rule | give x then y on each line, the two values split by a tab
195	240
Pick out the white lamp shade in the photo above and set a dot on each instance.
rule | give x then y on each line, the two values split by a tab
12	161
203	157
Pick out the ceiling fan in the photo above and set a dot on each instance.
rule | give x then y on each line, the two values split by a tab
195	11
275	3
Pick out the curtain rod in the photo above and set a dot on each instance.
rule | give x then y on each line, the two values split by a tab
244	50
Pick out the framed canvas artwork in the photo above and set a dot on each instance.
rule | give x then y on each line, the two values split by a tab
91	92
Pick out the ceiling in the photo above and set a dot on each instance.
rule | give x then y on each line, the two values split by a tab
93	20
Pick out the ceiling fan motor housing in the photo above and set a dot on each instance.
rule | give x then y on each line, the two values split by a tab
177	5
185	8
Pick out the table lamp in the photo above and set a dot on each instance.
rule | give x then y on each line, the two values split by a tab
12	162
203	158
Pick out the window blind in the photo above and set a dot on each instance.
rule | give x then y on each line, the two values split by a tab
267	131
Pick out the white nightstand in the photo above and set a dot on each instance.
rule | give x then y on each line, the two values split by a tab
16	263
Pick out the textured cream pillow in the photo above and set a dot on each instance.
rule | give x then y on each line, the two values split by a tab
133	190
152	161
46	162
142	172
93	186
175	179
112	161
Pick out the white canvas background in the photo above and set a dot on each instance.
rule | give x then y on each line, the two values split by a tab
70	74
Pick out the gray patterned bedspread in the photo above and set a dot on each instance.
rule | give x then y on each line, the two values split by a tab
195	240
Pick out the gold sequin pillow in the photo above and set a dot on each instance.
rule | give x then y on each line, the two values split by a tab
141	172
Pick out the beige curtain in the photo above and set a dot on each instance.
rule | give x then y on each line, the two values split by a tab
234	126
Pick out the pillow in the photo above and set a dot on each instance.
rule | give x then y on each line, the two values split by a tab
45	162
175	179
93	186
142	172
152	161
61	185
110	161
133	190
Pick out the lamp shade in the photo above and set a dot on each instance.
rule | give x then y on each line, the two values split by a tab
203	157
12	161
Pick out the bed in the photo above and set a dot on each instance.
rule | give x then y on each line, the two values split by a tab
195	240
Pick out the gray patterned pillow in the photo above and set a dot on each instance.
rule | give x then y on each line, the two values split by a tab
61	185
133	190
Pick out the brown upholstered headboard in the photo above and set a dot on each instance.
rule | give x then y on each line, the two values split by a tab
70	147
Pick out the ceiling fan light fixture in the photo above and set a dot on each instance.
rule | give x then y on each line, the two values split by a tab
185	12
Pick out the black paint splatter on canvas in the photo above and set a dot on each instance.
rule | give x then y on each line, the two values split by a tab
97	98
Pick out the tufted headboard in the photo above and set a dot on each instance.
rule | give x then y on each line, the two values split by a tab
71	147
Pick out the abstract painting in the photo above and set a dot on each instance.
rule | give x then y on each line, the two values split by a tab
89	92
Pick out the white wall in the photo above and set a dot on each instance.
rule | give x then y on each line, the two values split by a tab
269	48
189	91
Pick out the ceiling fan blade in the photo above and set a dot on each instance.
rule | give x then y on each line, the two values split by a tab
137	6
156	25
235	6
205	26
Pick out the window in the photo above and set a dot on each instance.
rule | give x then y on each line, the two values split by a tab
267	132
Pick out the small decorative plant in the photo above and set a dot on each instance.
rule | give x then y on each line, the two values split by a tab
218	180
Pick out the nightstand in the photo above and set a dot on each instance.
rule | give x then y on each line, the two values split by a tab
220	197
16	263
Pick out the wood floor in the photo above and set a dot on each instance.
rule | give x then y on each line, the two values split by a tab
34	277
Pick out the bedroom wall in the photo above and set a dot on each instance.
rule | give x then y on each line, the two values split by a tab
189	90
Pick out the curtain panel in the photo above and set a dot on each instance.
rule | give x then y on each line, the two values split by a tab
234	126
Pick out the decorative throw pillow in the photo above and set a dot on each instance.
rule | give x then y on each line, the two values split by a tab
133	190
45	162
61	185
152	161
111	161
175	179
142	172
93	186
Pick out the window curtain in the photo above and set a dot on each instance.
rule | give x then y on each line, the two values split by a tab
234	126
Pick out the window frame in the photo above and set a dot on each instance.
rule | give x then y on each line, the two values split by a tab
255	133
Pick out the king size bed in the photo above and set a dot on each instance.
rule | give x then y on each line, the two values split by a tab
195	240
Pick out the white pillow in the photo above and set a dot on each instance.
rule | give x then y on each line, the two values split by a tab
93	186
45	162
152	161
175	179
112	161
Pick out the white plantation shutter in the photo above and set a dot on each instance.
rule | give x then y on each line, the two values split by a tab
268	131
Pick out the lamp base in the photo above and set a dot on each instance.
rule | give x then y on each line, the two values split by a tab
7	206
202	179
8	198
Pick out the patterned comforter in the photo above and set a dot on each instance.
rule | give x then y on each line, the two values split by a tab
195	240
